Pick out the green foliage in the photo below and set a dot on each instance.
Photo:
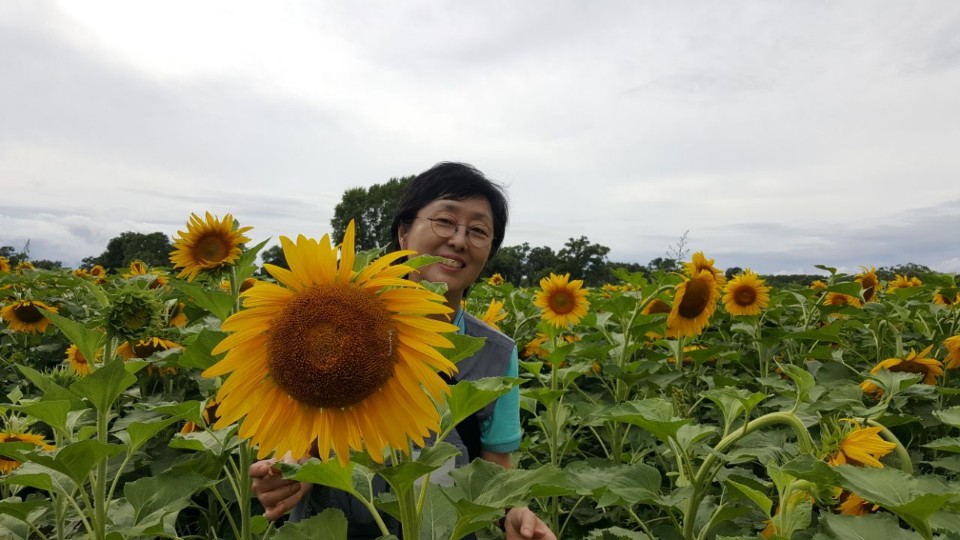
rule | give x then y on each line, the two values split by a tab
372	209
153	249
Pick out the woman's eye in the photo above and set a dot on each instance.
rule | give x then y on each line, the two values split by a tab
445	221
479	232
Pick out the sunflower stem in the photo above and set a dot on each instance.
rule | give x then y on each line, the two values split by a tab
245	487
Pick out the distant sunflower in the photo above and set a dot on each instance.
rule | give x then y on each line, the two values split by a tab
494	314
344	358
4	264
700	263
694	302
869	283
818	285
903	282
27	316
77	362
178	319
495	280
535	347
207	245
81	272
99	272
209	416
952	361
915	362
7	464
563	302
945	299
839	299
25	265
139	268
145	348
746	294
852	504
862	446
244	285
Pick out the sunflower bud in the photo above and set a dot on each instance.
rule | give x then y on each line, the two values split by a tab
133	314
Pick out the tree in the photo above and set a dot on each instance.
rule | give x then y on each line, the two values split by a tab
540	262
153	249
13	256
509	262
273	255
585	260
732	272
372	210
661	264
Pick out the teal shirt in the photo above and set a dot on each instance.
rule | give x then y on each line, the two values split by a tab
501	432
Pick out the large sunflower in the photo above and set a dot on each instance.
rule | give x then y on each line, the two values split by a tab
78	363
869	283
562	301
341	357
862	446
494	314
700	263
694	302
26	316
207	245
746	294
7	464
915	362
952	361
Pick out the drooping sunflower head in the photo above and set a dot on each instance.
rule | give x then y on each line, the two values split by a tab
915	362
563	302
700	263
494	314
207	245
946	298
27	316
145	348
133	313
346	358
860	446
7	464
78	363
746	294
495	280
852	504
868	283
694	302
952	361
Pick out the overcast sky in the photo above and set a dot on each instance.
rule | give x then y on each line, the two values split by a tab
779	134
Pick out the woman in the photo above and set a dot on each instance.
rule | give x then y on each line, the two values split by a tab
451	211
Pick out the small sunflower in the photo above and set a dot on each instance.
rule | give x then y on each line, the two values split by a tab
694	302
27	316
700	263
244	285
656	306
207	245
7	464
869	283
915	362
145	348
81	272
344	358
746	294
862	446
4	265
818	285
99	273
78	363
139	268
178	319
952	361
209	417
24	265
840	300
852	504
903	282
133	313
494	314
495	280
563	302
945	299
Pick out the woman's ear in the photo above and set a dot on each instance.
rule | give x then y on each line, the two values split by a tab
402	231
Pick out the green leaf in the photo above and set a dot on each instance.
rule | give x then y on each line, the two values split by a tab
868	527
947	444
37	476
23	510
104	386
156	496
463	347
616	533
220	304
468	397
829	334
616	485
329	524
690	434
53	413
758	498
329	473
734	403
141	432
949	416
654	415
197	353
806	467
439	517
87	340
77	459
802	378
217	442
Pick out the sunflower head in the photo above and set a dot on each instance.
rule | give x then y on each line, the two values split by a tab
495	280
133	313
4	265
818	285
695	301
852	504
868	283
78	363
839	299
946	298
145	348
915	362
24	265
903	282
952	344
746	294
178	316
330	355
700	263
856	445
7	464
494	314
207	245
27	316
563	302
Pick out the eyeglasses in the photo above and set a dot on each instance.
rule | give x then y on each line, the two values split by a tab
444	227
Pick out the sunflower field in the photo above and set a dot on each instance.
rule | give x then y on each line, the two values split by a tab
676	405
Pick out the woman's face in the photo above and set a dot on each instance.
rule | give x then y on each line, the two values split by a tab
467	259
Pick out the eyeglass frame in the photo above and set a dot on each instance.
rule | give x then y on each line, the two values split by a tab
456	228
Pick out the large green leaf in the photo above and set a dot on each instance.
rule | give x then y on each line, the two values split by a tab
353	478
77	459
945	444
616	533
868	527
463	347
104	386
616	485
27	511
759	498
220	304
829	334
154	497
654	415
53	413
88	340
439	517
217	442
329	524
197	353
734	403
802	378
949	416
468	397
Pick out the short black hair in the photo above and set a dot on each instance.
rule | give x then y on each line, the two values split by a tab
450	181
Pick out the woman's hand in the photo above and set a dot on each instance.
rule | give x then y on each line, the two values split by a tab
276	493
522	524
